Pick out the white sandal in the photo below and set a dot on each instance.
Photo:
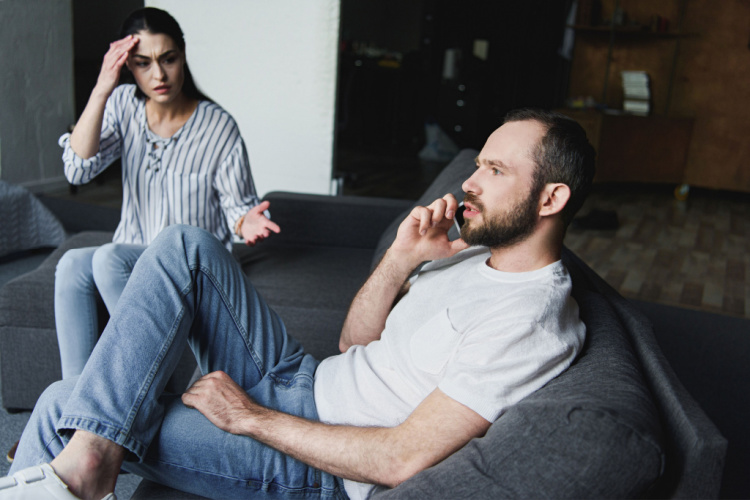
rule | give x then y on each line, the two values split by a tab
37	483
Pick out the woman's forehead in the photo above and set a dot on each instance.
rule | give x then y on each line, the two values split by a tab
154	44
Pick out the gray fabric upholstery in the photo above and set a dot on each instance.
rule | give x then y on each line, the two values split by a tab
332	221
695	447
149	490
27	224
310	287
709	354
29	356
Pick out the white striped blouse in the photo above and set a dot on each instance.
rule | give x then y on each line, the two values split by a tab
199	176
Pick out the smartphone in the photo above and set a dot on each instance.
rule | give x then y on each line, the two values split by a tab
458	219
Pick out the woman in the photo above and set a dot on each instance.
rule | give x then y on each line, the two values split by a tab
183	162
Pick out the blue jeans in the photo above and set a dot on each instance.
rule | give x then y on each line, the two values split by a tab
81	276
186	288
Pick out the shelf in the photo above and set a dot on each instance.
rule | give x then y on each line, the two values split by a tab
634	31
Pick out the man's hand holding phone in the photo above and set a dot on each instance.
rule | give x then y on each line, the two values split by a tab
423	235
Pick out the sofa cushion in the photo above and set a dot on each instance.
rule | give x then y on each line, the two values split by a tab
27	300
310	287
449	181
29	355
27	224
591	432
332	221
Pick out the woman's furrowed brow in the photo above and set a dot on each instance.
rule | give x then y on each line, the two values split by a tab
160	56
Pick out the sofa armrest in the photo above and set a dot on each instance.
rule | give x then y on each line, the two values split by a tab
339	221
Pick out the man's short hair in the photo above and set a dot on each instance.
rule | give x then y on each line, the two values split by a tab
563	155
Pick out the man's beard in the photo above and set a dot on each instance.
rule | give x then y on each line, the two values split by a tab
503	229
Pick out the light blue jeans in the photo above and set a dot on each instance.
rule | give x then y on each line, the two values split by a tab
185	288
81	276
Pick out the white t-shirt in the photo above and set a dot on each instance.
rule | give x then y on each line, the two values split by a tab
486	338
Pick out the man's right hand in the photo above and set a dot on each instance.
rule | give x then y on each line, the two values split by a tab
423	235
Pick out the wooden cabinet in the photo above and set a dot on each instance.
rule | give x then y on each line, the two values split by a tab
637	148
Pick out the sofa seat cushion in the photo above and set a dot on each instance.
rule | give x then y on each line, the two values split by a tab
591	432
310	287
26	301
29	355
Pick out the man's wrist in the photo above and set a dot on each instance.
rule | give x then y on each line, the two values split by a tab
399	264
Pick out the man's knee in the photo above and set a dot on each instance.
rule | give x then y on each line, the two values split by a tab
182	236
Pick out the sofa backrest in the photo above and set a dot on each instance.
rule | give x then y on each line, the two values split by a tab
694	447
617	423
448	181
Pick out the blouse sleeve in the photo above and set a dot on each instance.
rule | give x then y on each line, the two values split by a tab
82	170
234	183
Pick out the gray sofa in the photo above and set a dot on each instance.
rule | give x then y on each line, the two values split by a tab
618	423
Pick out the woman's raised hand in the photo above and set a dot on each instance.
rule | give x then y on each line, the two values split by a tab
85	137
256	227
114	60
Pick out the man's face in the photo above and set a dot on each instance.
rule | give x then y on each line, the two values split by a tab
502	203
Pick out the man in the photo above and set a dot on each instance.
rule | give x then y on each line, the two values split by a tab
487	322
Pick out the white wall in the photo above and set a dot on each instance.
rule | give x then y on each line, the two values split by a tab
36	89
272	65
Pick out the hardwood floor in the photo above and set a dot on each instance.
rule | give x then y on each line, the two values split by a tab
693	253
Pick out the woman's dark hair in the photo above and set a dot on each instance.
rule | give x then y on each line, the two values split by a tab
157	21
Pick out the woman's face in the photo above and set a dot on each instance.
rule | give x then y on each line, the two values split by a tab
157	65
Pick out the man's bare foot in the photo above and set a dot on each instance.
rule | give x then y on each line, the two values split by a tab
89	465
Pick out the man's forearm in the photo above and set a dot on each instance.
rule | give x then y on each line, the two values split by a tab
337	450
388	456
438	427
365	320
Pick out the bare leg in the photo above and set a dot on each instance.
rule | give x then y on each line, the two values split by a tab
89	465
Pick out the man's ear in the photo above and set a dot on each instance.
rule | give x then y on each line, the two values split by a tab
553	198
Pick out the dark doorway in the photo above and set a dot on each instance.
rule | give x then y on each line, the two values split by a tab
420	79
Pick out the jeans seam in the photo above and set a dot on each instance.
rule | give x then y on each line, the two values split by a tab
147	384
244	334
